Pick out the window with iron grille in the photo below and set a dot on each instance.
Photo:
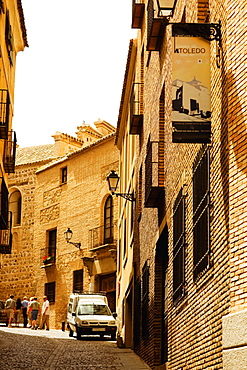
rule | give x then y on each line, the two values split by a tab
9	39
50	291
4	205
78	281
52	244
178	246
6	238
145	290
137	316
108	221
201	212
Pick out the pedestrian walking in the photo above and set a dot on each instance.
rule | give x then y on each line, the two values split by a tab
10	306
24	304
45	314
18	312
35	306
29	312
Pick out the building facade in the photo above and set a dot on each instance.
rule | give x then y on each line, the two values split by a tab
13	39
181	259
56	187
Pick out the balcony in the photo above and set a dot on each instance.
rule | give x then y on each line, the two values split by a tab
137	13
48	257
4	205
156	26
101	236
136	109
154	175
9	153
4	113
6	237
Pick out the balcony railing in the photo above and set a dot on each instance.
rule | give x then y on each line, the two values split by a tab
100	236
4	113
137	13
136	108
4	205
154	184
6	237
48	257
10	152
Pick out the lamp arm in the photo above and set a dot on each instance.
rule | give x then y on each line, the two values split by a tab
77	245
128	196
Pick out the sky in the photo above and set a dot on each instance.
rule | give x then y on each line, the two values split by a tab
73	70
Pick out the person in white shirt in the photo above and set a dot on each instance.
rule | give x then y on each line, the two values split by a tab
45	314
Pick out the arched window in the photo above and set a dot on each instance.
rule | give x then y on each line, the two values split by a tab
15	207
108	221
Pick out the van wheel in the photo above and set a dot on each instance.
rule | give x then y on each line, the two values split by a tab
113	336
71	333
78	332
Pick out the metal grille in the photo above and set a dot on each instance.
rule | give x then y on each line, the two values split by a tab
178	246
4	113
201	214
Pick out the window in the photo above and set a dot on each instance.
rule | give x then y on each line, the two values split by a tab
64	173
78	281
108	221
9	39
201	212
145	283
178	246
50	290
52	243
15	202
4	204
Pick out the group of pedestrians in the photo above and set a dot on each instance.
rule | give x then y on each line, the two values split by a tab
30	311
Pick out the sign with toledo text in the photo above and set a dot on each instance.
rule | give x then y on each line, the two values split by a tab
191	107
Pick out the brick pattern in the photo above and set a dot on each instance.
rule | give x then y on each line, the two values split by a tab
195	322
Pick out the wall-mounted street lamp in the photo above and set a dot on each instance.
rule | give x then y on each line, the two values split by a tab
113	180
68	235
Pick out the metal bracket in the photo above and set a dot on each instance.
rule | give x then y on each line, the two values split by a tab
128	196
209	31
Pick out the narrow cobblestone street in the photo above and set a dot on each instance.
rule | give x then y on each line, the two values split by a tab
40	349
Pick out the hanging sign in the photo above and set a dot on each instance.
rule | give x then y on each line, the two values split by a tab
191	108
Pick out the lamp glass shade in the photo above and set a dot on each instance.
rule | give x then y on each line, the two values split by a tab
113	180
68	234
166	4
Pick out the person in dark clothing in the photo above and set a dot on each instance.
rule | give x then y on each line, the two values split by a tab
18	312
24	304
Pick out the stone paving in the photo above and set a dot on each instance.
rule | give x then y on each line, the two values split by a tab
22	348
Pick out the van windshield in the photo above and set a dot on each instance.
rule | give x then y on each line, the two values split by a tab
93	309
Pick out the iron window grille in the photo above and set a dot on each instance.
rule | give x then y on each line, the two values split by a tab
9	39
145	294
10	152
6	237
78	281
4	204
4	113
201	213
136	108
178	246
50	291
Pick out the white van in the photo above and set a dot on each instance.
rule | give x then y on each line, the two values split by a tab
89	314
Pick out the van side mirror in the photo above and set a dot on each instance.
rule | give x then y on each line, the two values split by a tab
114	315
73	314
